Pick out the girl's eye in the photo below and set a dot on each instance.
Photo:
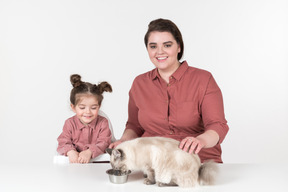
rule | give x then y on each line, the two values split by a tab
152	47
95	107
168	45
82	108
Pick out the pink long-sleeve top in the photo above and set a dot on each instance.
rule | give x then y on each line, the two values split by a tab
188	106
95	136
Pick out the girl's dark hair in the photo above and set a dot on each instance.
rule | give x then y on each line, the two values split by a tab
80	87
165	25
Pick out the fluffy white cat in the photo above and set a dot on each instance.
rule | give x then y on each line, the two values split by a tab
162	161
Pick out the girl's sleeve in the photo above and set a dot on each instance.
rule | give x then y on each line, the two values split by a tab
213	110
65	139
103	139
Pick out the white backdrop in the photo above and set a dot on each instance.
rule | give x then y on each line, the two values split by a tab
243	43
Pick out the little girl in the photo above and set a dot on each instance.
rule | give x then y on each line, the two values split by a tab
85	135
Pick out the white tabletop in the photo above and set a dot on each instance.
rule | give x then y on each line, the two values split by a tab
93	177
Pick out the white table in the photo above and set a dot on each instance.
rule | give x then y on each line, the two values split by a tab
93	177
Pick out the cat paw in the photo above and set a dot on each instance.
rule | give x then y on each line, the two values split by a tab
148	182
161	184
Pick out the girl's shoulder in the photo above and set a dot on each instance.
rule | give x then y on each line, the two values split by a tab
102	118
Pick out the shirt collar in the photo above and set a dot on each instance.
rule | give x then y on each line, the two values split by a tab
180	71
155	74
177	74
80	125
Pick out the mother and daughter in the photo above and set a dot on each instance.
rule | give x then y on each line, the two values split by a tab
173	100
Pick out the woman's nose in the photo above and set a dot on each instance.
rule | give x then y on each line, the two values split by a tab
160	50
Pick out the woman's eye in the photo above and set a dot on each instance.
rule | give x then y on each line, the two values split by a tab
152	47
168	45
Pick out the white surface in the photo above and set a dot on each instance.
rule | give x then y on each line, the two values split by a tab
61	159
244	44
93	177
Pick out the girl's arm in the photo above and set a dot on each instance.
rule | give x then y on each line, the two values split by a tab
65	139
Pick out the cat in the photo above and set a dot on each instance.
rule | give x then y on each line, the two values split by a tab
162	161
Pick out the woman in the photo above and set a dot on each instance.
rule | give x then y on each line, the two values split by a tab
175	100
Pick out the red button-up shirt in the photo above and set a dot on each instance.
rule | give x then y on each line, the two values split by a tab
188	106
95	136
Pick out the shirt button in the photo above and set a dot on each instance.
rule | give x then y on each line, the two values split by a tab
171	132
165	118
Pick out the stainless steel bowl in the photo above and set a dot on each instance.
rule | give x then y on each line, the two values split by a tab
118	179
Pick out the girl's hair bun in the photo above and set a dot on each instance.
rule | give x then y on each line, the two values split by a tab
104	86
75	80
80	87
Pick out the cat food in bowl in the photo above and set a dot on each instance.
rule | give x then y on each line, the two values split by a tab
118	177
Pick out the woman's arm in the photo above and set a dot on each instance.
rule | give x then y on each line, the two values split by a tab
215	124
127	135
194	144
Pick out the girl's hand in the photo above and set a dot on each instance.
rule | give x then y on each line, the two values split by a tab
191	144
73	156
85	156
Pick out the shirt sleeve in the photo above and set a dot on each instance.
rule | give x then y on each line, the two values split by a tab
133	122
65	139
213	110
103	139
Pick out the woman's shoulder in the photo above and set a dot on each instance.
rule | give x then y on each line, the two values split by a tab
199	72
149	75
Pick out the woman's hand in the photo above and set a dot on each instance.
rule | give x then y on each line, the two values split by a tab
73	156
113	145
85	156
127	135
192	144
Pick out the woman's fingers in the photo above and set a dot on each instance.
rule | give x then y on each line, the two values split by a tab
191	145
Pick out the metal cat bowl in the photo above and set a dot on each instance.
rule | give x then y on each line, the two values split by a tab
117	177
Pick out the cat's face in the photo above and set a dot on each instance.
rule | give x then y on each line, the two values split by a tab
118	160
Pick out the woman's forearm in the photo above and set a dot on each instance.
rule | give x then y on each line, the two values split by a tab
128	135
209	138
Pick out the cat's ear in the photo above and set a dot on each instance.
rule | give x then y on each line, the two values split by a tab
118	153
109	151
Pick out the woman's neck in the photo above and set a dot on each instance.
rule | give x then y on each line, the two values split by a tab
166	74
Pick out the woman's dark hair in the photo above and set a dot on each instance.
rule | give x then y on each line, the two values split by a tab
80	87
165	25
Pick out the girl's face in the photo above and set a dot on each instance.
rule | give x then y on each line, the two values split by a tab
86	109
163	50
